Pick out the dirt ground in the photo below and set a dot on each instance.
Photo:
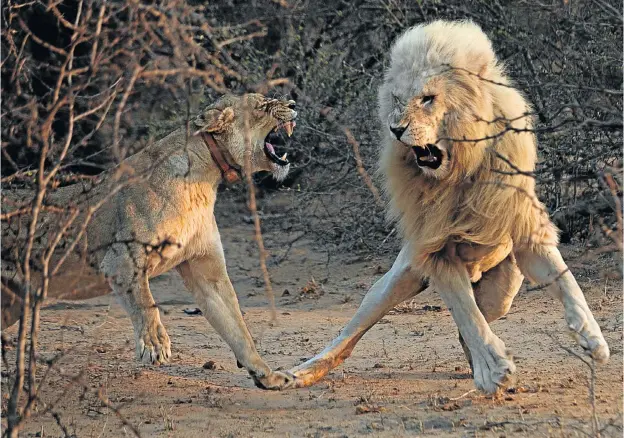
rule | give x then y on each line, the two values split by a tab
407	376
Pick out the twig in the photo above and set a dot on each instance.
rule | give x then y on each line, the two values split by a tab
268	287
591	364
117	412
360	166
463	395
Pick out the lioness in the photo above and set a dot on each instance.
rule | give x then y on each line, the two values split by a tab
457	160
165	219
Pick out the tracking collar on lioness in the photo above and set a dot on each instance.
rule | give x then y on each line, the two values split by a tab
231	173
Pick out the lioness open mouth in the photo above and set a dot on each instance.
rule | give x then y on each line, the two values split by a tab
428	156
274	138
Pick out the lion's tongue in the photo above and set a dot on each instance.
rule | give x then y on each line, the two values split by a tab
270	148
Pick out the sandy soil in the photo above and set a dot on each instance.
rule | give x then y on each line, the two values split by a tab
407	376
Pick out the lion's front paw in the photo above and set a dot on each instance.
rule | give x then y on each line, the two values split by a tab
492	367
587	333
275	380
310	372
153	345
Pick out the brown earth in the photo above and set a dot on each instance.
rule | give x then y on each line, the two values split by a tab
407	376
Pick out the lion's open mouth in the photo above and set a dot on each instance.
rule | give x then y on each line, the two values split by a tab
274	139
428	156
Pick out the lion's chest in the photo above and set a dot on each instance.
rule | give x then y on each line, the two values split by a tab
434	215
441	216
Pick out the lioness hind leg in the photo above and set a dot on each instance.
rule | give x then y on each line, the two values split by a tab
544	265
397	285
60	287
207	279
495	293
125	269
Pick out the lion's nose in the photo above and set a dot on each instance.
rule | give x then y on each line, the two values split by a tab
398	131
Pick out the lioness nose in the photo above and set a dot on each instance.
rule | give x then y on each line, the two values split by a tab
398	131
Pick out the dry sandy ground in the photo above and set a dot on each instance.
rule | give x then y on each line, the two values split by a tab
407	377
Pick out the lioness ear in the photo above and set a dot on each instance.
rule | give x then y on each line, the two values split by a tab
214	120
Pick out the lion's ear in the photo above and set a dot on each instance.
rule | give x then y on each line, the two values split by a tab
214	120
484	71
484	65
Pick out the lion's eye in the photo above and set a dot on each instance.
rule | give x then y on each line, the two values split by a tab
427	99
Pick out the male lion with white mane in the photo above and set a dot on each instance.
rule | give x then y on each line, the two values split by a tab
457	160
156	212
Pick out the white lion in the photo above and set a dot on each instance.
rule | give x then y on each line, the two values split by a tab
457	159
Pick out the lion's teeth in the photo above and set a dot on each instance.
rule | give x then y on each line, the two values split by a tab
284	156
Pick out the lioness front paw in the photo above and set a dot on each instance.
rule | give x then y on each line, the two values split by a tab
153	346
275	380
492	368
587	333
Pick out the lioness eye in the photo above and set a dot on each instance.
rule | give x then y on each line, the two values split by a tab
427	99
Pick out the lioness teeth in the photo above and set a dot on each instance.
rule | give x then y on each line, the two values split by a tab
284	156
288	127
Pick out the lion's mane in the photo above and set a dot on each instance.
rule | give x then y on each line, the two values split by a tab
489	191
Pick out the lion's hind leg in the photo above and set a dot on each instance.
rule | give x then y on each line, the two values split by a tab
480	258
544	266
495	292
